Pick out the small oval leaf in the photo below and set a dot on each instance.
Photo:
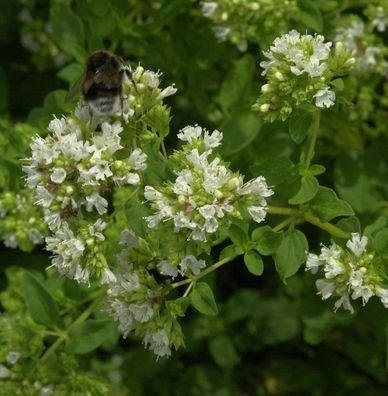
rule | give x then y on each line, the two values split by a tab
254	263
203	300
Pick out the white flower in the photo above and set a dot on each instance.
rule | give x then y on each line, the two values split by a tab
215	176
325	288
357	244
171	90
312	263
166	268
383	295
333	268
4	372
109	139
212	140
33	176
10	240
380	21
191	263
120	312
190	133
150	194
129	239
257	186
183	182
95	200
57	126
12	357
345	303
141	312
324	98
35	236
332	252
97	228
158	342
152	78
58	175
45	197
107	277
137	160
362	291
221	32
208	8
257	213
82	274
53	219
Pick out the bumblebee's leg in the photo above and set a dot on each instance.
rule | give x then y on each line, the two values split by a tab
90	118
130	77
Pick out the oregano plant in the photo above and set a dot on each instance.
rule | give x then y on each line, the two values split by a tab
233	208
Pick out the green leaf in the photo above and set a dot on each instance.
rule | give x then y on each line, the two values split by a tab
350	224
230	250
266	241
135	212
68	30
310	15
41	306
380	241
237	84
326	205
202	299
239	130
338	84
316	170
89	335
71	73
299	126
276	170
238	236
291	253
377	225
223	351
308	188
254	263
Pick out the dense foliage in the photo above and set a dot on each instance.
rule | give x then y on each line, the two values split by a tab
226	231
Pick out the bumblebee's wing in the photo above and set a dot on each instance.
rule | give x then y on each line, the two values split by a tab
75	89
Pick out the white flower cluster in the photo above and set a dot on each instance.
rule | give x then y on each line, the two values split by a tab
77	256
129	303
353	38
20	222
380	20
205	192
348	273
68	172
189	263
303	54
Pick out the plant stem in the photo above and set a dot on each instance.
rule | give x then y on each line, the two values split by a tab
88	311
313	139
212	268
283	224
297	213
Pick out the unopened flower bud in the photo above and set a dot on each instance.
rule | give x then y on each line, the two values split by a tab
339	46
218	194
264	108
350	62
266	88
279	76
